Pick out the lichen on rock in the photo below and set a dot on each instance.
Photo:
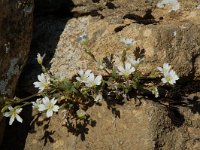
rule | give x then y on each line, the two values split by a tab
15	38
12	71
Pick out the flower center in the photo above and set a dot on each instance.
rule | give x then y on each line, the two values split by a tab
49	106
14	113
93	83
168	78
84	78
126	73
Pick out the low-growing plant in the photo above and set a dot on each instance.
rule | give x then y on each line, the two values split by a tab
121	80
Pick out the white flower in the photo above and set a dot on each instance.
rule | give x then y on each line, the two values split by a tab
173	3
127	41
81	114
44	81
13	113
83	75
40	58
37	103
100	64
155	92
98	98
170	77
92	81
165	69
48	106
176	6
126	69
175	33
134	62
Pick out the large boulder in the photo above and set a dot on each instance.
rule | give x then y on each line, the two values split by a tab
15	38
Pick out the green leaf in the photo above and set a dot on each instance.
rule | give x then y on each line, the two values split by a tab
67	86
77	84
114	73
123	58
4	108
126	90
73	89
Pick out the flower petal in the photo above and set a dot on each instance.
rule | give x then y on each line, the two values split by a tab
7	114
55	108
127	66
41	77
18	110
12	118
49	113
45	100
88	72
88	84
164	80
41	107
19	119
166	66
160	69
172	82
10	108
90	79
37	84
121	68
98	80
53	101
80	72
132	70
78	79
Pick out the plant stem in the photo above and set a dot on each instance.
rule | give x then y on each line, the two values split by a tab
29	97
25	104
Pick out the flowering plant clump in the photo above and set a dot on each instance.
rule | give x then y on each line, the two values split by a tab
74	96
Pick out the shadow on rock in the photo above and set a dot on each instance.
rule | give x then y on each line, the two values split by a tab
15	135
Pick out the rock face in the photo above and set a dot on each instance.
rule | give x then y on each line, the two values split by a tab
148	126
175	43
130	131
15	38
165	35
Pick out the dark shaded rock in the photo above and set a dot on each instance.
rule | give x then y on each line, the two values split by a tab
58	7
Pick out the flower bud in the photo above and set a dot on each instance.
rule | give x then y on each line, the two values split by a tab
40	58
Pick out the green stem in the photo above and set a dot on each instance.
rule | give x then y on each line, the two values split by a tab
29	97
25	104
